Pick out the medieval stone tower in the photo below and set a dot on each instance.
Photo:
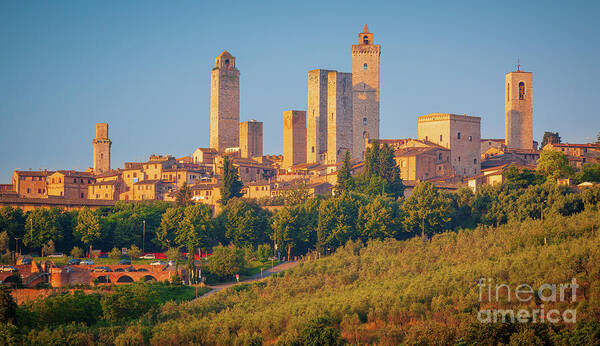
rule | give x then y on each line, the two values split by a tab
316	117
101	149
251	139
294	138
365	90
224	103
339	116
519	110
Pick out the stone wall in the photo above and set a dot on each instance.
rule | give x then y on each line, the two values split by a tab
251	139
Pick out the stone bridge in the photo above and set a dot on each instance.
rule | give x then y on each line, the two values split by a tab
83	275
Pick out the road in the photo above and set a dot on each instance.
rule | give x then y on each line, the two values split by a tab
278	268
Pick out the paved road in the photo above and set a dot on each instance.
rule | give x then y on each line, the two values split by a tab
278	268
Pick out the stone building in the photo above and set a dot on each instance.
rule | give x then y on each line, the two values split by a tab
108	190
459	133
31	184
316	121
70	184
339	120
365	91
294	138
519	110
251	139
101	149
204	155
224	103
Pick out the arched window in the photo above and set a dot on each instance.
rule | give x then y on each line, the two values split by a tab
365	121
521	91
366	39
365	66
226	62
508	92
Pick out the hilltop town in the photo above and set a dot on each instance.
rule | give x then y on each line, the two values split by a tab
342	116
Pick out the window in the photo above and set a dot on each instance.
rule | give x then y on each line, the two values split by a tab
441	138
508	92
470	138
459	159
458	135
365	66
82	195
39	190
426	138
106	195
312	149
521	91
134	175
97	196
366	39
365	121
474	161
440	156
101	155
75	180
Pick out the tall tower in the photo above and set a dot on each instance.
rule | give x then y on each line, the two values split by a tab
339	120
294	138
519	110
251	139
365	90
101	149
316	117
224	103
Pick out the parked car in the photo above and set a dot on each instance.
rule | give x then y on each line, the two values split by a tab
87	262
148	256
158	263
7	268
58	254
125	261
73	261
102	270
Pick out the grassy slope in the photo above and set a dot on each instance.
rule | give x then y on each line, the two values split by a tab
394	291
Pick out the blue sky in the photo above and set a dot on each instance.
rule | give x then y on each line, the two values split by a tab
144	67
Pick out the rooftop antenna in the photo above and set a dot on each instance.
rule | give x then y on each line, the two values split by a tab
518	64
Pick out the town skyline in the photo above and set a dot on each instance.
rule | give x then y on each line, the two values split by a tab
59	133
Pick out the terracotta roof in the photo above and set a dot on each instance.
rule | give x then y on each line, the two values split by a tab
569	145
76	174
34	173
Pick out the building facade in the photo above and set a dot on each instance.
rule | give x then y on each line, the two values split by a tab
224	103
101	149
339	117
365	91
459	133
519	110
251	139
294	138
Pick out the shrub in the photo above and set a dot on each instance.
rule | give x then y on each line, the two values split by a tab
134	252
263	252
115	253
225	262
77	252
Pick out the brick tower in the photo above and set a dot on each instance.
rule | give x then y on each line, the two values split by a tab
251	139
224	103
519	110
339	121
294	138
365	90
101	149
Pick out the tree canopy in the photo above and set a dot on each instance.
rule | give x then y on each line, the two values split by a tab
232	186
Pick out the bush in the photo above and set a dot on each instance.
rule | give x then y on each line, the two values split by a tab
8	307
76	252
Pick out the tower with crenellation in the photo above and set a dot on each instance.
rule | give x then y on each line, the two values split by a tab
224	103
365	91
519	110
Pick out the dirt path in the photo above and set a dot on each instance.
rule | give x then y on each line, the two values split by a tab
266	273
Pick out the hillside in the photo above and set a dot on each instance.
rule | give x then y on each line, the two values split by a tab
391	292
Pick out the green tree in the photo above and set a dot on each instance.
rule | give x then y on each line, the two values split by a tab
381	175
427	210
195	229
345	182
246	223
184	196
589	172
553	164
516	178
8	307
43	225
115	253
380	219
4	241
76	252
134	252
550	137
173	254
169	224
263	252
337	221
88	227
12	220
297	194
226	261
232	186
